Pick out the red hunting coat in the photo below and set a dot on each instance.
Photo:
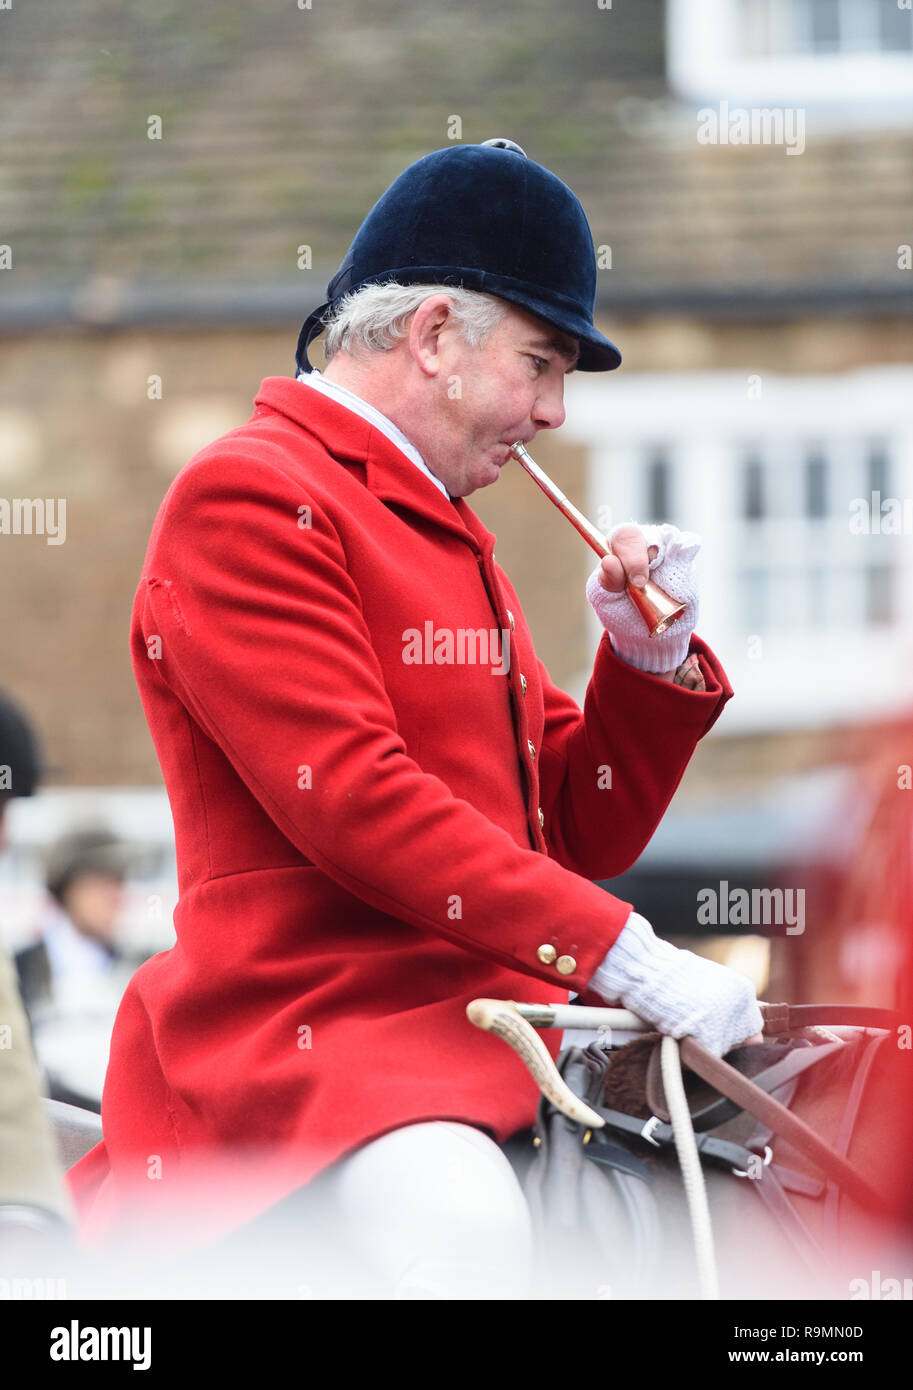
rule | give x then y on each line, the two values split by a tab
365	841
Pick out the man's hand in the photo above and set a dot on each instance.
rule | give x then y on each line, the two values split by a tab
678	992
630	562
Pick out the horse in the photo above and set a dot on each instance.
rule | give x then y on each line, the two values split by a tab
801	1140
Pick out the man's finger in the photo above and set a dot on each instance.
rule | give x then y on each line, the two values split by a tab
630	547
689	675
612	575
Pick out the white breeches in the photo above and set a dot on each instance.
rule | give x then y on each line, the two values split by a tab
435	1210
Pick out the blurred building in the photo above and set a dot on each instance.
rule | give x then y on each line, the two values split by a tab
176	187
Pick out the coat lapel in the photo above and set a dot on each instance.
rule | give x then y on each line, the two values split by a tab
389	474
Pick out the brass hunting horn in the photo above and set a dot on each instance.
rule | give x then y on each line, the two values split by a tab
657	609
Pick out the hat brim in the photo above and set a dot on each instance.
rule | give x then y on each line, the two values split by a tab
597	353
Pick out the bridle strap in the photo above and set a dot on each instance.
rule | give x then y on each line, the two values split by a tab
785	1018
770	1189
724	1151
850	1114
781	1121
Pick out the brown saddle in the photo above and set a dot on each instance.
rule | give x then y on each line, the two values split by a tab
747	1085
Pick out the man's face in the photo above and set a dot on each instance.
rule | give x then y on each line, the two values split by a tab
487	398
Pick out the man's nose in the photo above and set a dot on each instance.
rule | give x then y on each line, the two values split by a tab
549	412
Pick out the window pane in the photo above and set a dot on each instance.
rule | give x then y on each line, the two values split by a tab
879	469
895	27
815	486
757	28
658	507
767	27
818	607
825	25
753	489
879	606
755	587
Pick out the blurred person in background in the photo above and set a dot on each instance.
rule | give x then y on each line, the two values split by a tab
84	878
34	1206
20	757
73	975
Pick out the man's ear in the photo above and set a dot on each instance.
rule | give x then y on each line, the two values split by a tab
432	317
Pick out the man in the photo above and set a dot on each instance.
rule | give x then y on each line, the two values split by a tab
378	816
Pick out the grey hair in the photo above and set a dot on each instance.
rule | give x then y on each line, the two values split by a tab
374	317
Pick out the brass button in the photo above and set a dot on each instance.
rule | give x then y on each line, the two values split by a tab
541	818
548	955
510	619
522	683
565	965
532	749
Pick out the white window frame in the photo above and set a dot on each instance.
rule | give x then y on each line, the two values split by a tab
807	673
704	63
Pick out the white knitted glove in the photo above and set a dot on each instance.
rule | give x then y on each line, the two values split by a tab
672	570
678	992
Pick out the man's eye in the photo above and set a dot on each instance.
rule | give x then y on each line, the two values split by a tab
541	363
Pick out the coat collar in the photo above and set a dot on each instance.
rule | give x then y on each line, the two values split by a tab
389	474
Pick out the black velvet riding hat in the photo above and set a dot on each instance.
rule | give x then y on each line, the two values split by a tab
487	218
22	762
